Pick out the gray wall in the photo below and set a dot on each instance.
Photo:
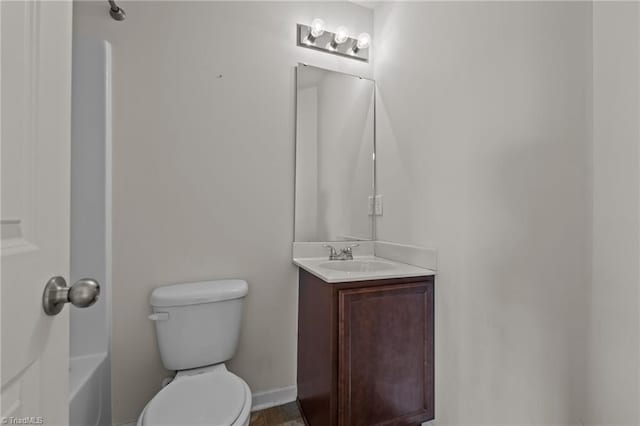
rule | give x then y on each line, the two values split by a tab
203	169
484	150
614	323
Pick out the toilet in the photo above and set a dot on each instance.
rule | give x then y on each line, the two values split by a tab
198	326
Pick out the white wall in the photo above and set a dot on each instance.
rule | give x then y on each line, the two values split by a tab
203	169
483	149
614	325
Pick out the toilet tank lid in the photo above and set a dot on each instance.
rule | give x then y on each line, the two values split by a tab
198	292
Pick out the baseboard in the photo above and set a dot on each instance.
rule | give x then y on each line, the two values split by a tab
273	397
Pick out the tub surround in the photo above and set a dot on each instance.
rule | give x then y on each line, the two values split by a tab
90	329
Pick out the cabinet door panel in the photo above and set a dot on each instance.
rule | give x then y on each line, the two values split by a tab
386	355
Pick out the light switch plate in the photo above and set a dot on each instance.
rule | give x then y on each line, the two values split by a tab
370	205
378	205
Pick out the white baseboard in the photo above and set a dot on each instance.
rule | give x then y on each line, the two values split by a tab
273	397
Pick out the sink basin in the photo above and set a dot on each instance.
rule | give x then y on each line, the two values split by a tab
357	266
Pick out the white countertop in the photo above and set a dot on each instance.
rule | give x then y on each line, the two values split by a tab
392	269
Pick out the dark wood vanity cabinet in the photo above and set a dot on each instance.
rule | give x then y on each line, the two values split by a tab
365	351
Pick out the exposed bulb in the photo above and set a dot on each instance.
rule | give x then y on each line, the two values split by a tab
317	27
342	34
364	40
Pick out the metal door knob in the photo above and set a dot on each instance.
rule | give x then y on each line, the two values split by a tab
83	293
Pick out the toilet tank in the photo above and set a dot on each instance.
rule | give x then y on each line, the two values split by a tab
198	324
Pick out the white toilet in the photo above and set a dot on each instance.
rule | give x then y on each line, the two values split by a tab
198	326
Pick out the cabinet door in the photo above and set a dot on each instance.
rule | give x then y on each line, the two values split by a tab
386	370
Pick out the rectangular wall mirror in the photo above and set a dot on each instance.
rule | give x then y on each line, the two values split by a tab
335	172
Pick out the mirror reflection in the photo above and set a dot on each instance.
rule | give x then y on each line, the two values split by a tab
334	156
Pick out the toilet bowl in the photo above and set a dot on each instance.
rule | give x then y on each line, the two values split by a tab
209	396
198	327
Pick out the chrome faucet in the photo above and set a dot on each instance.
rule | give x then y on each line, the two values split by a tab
345	253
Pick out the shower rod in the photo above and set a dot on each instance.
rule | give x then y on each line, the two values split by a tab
116	11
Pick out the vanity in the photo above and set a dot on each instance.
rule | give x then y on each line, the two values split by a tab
366	307
365	348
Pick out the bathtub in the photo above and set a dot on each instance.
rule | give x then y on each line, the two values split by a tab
87	376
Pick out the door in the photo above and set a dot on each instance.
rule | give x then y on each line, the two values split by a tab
35	121
385	355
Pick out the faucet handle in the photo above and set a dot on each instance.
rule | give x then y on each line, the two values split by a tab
334	252
348	249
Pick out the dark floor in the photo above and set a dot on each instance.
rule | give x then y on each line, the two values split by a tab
282	415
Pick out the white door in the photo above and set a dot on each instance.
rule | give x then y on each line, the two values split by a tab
35	121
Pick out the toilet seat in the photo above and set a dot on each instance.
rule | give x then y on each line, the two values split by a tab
212	398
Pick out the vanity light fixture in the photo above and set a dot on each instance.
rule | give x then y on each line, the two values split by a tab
315	31
315	36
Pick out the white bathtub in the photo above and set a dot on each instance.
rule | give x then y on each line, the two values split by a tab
87	376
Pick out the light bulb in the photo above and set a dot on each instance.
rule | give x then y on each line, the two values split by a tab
342	34
317	27
364	40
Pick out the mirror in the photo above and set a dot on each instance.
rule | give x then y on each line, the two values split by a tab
334	156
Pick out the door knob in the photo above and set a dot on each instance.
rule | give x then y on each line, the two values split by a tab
83	293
